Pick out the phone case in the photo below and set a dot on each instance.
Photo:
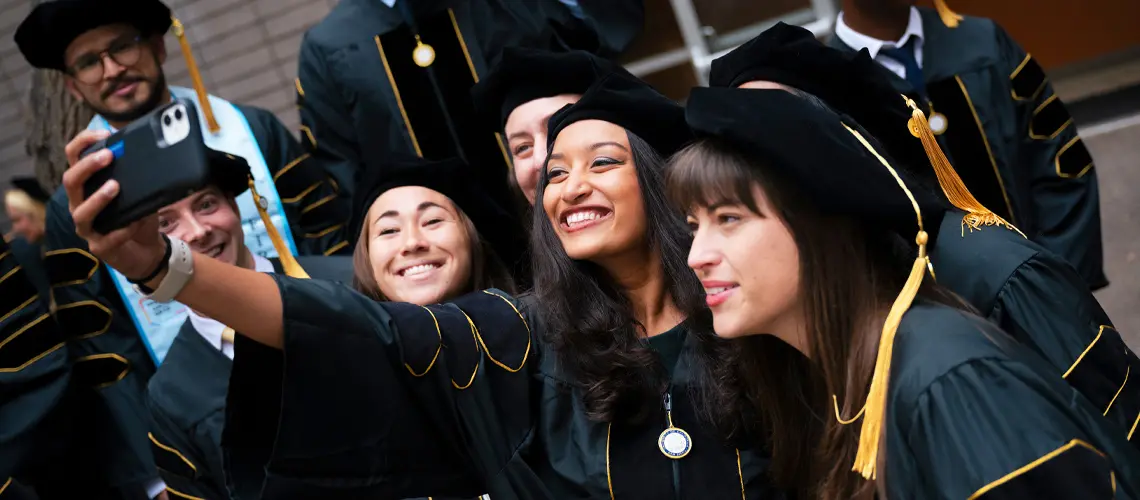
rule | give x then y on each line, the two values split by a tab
158	160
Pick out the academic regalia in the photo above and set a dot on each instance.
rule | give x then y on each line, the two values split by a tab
187	402
1028	291
365	102
478	407
956	408
1010	137
34	375
30	255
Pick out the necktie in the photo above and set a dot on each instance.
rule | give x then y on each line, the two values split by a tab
905	56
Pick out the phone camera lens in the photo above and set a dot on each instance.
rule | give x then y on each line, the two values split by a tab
166	120
178	114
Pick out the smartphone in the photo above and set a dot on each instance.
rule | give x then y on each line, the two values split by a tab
158	160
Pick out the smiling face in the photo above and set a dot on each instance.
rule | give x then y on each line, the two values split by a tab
592	197
526	135
418	246
749	265
131	82
209	222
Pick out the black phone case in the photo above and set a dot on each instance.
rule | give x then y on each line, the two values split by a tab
151	174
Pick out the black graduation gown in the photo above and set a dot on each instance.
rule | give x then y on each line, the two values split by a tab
186	398
365	103
30	257
973	414
1011	139
187	402
1039	299
34	375
109	362
395	407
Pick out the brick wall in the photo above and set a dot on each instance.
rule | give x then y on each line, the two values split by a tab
246	49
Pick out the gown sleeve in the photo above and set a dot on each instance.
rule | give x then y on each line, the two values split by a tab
1062	178
327	131
190	457
395	400
110	365
616	22
992	429
309	195
34	371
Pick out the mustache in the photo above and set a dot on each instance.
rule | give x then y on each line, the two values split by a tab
121	82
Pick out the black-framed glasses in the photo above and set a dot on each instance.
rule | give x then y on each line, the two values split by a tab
89	67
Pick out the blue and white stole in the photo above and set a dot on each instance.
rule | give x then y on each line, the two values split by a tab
159	323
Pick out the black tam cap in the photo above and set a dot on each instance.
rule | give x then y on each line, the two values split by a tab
815	149
454	179
32	187
44	35
526	74
850	82
627	101
228	172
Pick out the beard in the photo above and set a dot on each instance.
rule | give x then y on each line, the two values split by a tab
153	101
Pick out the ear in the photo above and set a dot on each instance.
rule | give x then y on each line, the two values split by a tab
69	82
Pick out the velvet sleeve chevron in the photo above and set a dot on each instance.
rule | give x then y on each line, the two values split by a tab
1057	166
311	197
394	399
33	368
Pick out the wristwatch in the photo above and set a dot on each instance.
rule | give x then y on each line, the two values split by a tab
180	267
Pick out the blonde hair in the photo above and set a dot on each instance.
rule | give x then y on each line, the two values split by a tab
19	201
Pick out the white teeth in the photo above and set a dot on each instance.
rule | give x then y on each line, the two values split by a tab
579	217
714	291
419	269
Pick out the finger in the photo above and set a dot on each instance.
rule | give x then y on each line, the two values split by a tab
76	176
85	213
81	142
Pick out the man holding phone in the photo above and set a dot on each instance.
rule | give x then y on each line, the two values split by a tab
111	52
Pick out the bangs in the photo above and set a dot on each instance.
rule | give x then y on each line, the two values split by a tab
709	173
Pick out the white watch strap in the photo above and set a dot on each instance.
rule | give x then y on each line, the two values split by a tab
179	270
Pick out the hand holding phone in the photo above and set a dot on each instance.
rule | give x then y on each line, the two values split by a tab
157	160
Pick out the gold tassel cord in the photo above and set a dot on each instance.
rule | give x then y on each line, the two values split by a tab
288	262
977	215
950	18
195	75
874	409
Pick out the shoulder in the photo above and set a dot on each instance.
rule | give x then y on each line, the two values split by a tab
967	27
345	24
933	341
977	264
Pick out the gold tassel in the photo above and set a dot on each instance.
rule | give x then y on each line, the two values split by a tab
195	75
977	215
874	409
290	264
950	18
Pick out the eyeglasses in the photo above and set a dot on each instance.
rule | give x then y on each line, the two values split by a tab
89	69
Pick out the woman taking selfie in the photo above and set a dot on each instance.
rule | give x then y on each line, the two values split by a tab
580	391
967	413
425	234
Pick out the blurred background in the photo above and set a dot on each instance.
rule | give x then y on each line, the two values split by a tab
247	50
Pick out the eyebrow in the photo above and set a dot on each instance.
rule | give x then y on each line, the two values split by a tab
422	206
599	145
516	134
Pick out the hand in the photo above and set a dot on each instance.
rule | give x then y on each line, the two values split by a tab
136	250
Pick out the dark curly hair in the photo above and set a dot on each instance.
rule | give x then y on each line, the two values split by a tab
589	323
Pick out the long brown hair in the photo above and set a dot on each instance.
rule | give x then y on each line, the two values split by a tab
487	270
850	272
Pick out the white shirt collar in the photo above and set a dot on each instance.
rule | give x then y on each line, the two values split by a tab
858	41
389	3
212	330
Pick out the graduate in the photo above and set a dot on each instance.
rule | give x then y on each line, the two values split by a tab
426	234
389	80
875	368
34	375
187	394
111	53
520	94
26	206
996	115
578	391
1028	291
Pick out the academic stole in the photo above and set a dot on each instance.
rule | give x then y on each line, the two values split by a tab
159	323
